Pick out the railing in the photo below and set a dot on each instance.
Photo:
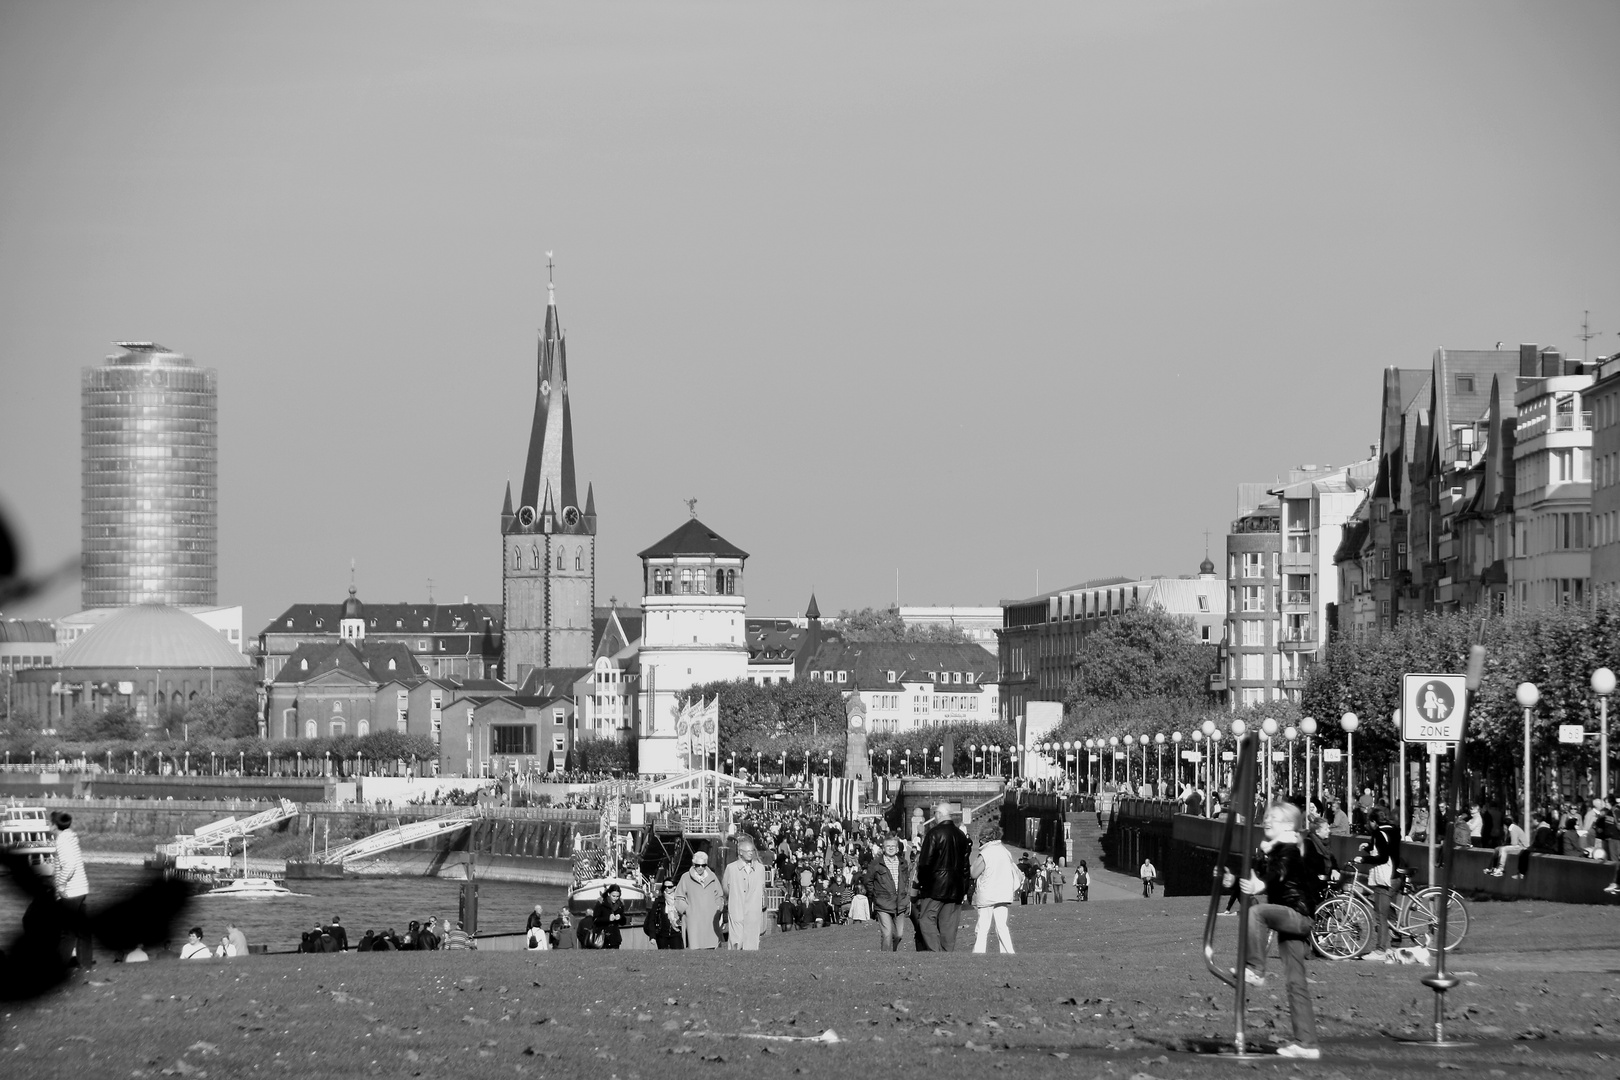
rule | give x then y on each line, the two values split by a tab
1297	596
1572	421
413	811
1298	634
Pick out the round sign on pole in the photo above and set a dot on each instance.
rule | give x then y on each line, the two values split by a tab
1432	707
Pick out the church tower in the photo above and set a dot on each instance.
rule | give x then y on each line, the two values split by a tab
548	583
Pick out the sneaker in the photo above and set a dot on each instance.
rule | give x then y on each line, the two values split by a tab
1294	1050
1231	913
1612	888
1494	873
1377	955
1252	977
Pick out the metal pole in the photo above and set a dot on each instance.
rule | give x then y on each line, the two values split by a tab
1404	822
1603	747
1526	807
1434	775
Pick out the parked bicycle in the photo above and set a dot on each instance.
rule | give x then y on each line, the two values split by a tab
1345	926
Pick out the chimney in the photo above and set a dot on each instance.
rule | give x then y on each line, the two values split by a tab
1552	363
1528	364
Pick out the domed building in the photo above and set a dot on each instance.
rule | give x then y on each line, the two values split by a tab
144	657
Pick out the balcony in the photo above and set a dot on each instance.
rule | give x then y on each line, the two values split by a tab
1297	598
1572	421
1297	562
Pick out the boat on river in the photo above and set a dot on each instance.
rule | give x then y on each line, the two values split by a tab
27	831
251	888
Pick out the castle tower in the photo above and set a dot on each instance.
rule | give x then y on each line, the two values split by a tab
692	630
548	581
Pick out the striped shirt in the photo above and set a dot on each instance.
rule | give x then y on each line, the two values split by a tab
71	881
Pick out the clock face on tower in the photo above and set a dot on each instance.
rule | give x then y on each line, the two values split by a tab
857	722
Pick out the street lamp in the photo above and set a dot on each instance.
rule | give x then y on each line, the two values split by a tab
1603	685
1175	756
1268	730
1113	771
1527	696
1349	722
1158	762
971	768
1307	727
1290	733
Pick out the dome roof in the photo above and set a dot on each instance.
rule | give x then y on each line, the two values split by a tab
352	607
1207	566
152	635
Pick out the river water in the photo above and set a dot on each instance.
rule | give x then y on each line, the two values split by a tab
365	903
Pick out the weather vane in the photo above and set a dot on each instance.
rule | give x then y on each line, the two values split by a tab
691	506
551	285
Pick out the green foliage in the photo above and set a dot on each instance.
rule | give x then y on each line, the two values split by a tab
1557	650
1144	654
230	710
884	624
753	716
88	724
607	753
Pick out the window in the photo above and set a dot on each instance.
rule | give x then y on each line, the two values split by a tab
517	558
1203	603
1465	384
511	739
686	581
841	675
560	564
1254	667
1254	598
815	676
1203	634
579	558
1254	564
1253	632
534	557
891	676
557	716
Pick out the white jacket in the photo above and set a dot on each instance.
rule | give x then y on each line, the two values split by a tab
71	880
996	875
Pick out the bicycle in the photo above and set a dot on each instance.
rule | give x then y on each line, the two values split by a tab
1345	921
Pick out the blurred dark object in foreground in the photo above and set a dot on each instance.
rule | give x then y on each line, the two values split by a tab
13	586
32	963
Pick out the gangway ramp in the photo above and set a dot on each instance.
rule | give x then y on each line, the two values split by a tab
400	835
219	834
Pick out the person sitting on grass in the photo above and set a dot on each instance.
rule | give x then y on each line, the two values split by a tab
459	938
1286	898
194	949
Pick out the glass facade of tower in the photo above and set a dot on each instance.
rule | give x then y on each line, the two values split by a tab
150	486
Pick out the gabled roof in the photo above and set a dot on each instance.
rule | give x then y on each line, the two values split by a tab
615	629
368	662
390	619
549	683
693	538
774	640
1350	543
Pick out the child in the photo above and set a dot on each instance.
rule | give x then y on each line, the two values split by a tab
1290	897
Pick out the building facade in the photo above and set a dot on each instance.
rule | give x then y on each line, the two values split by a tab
548	577
1605	400
1552	508
448	641
1040	636
1253	668
149	488
904	685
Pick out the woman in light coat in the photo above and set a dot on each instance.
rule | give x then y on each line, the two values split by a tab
700	899
996	878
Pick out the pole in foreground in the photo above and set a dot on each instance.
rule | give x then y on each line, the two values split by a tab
1441	981
1239	827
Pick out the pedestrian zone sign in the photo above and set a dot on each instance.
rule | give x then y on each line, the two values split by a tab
1432	707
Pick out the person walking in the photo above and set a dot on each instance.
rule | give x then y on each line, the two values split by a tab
700	901
1290	895
942	877
72	893
886	882
1082	881
1149	874
744	887
608	917
1055	880
995	882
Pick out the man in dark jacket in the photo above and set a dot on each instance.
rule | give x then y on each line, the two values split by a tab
942	877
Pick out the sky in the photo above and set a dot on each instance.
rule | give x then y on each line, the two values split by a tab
979	298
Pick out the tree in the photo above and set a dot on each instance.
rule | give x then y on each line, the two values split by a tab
1145	653
88	724
885	624
230	710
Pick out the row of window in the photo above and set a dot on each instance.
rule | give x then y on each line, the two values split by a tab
537	563
958	677
693	582
1606	471
1560	532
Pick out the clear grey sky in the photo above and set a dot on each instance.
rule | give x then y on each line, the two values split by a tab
969	291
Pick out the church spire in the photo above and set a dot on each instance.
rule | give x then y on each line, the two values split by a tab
551	438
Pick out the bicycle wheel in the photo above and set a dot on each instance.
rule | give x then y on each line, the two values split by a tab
1419	914
1343	928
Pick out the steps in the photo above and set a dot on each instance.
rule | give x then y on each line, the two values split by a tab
1085	840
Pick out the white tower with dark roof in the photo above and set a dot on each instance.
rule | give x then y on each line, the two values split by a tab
692	630
548	580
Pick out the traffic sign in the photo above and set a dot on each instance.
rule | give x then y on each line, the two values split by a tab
1191	755
1227	755
1440	749
1332	755
1572	733
1432	707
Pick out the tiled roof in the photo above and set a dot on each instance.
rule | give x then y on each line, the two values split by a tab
367	661
774	639
1179	596
693	538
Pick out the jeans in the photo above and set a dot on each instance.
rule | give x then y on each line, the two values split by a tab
995	915
936	925
76	943
1381	914
1293	939
888	930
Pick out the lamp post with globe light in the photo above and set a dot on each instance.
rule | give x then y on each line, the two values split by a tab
1349	722
1113	769
1175	757
1603	685
1527	696
1307	728
1143	742
1291	733
1268	731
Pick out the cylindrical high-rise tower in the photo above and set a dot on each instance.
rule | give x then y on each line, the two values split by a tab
150	491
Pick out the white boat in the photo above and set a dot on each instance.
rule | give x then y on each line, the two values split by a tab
251	888
27	831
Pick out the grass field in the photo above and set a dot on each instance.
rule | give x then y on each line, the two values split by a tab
1096	990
